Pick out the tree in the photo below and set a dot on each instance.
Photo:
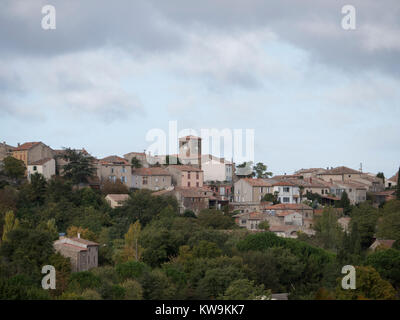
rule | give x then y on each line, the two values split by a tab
387	263
215	219
14	168
244	289
260	171
344	203
328	231
26	251
85	233
389	224
135	162
382	176
206	249
269	197
369	285
10	223
366	217
263	225
133	290
132	249
79	167
398	185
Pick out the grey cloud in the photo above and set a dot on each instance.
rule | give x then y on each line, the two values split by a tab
157	26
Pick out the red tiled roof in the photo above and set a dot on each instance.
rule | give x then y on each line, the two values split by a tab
40	162
156	171
184	168
395	177
114	160
341	170
288	206
26	146
84	241
74	247
256	182
285	183
385	243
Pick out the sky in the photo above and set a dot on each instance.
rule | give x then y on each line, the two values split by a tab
315	94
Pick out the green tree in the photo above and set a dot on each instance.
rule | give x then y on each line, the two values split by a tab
215	219
264	225
398	185
382	176
366	217
328	231
244	289
135	162
206	249
14	168
26	251
260	171
344	203
387	263
133	290
369	285
132	249
79	166
10	223
389	223
269	197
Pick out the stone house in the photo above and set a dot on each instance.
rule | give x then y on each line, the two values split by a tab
216	169
251	190
114	168
151	178
356	191
141	156
45	167
392	182
287	191
30	152
339	174
83	253
116	200
5	150
186	176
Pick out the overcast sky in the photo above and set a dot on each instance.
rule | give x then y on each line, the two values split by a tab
315	94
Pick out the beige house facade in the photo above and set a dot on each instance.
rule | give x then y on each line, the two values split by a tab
186	176
151	178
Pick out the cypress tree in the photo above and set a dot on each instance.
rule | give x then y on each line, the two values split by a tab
398	185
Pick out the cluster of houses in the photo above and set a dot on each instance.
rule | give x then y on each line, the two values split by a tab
204	181
201	181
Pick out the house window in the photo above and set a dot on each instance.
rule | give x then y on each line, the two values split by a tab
285	199
189	184
243	221
123	179
188	175
34	168
144	180
197	175
285	189
197	184
112	170
322	191
123	170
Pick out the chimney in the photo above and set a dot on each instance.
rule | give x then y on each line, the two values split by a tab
79	235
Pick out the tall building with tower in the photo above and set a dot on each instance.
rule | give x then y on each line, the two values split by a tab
190	151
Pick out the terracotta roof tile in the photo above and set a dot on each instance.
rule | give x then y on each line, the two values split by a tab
26	146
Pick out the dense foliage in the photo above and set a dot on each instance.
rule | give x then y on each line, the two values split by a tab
147	250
